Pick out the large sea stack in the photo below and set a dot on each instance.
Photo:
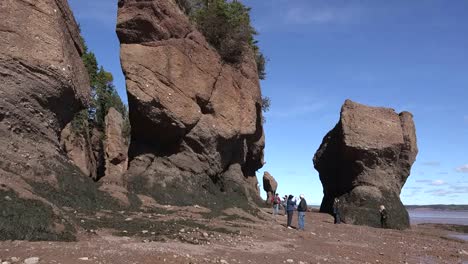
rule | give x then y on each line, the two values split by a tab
197	135
365	161
43	85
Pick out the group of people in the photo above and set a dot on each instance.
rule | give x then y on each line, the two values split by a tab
290	204
382	211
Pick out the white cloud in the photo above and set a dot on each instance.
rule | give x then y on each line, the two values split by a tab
452	190
438	182
463	168
431	163
423	181
307	15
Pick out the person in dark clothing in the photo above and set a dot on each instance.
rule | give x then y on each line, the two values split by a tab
383	216
290	206
336	210
301	210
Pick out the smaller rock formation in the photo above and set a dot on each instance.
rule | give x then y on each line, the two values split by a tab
365	161
115	148
269	185
79	151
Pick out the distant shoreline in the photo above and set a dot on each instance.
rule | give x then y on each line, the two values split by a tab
446	207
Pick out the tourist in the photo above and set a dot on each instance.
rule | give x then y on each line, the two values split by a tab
285	204
276	200
383	216
336	210
290	206
301	210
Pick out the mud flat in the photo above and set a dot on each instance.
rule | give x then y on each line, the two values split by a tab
188	235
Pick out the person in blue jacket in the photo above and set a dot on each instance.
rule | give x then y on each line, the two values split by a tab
290	207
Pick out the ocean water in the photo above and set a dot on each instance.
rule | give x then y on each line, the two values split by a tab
420	216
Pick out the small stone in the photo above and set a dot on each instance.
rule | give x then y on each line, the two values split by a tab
290	261
84	258
33	260
128	219
223	261
205	234
6	262
8	198
15	259
144	231
182	230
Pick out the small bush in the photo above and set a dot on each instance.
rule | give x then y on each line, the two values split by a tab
226	26
261	63
266	102
79	124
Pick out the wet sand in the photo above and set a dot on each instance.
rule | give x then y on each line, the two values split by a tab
266	241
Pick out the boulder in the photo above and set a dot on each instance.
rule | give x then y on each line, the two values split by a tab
196	121
269	185
115	148
364	161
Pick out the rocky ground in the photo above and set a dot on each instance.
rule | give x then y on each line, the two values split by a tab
186	235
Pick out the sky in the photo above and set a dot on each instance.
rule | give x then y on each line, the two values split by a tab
406	55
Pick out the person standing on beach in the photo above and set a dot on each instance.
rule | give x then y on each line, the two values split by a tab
301	210
336	210
276	203
290	206
383	216
285	204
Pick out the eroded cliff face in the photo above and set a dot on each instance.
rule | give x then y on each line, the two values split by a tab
43	85
365	161
196	122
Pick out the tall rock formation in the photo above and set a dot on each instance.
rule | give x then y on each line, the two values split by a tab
365	161
269	185
115	148
196	122
43	85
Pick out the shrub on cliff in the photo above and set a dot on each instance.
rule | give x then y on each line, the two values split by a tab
226	26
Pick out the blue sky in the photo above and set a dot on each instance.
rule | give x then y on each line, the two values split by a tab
407	55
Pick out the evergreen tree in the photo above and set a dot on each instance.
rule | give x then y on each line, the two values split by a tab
104	96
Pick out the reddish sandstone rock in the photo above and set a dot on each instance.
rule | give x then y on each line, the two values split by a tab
365	161
115	148
44	82
43	85
79	150
269	185
196	121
